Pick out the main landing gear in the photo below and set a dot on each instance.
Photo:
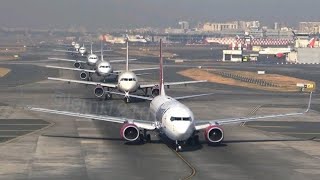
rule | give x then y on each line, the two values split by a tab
108	96
145	137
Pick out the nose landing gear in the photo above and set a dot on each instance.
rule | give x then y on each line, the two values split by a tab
126	97
178	146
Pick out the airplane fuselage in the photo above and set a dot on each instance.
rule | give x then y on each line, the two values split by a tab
128	82
103	68
177	120
92	59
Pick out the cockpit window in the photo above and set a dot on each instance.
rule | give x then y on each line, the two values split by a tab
128	79
180	119
104	66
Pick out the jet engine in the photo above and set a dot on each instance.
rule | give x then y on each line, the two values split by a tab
213	134
129	132
77	65
99	91
83	76
155	91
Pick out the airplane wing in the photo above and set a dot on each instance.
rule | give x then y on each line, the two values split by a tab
60	50
143	69
202	124
120	60
192	96
72	69
131	95
150	98
171	83
107	50
143	124
68	60
141	74
84	82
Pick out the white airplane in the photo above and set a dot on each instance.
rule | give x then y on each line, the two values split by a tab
172	119
102	68
124	39
92	59
113	40
127	83
136	38
77	49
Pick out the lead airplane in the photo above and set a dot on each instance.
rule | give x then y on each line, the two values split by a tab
127	83
102	68
170	118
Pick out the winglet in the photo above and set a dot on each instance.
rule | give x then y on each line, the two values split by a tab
309	103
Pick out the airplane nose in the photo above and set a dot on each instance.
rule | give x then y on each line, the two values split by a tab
182	128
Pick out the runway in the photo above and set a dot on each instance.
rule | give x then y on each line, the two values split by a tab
75	148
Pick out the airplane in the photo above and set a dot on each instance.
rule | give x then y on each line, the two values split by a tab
127	83
171	118
122	40
82	50
92	59
102	68
113	40
277	52
137	38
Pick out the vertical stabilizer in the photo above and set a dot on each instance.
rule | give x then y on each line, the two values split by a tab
161	83
127	59
101	50
91	48
312	42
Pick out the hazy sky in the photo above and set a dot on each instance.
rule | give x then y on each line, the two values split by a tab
157	13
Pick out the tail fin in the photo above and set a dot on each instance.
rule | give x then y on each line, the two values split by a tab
91	48
101	50
312	42
127	60
161	83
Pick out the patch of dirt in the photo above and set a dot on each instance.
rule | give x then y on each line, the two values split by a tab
269	82
4	71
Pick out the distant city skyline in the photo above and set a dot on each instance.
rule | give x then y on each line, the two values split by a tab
113	14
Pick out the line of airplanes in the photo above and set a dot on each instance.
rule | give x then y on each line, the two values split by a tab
127	79
170	117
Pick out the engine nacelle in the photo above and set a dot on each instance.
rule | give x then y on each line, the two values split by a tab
83	76
155	91
214	134
129	132
77	65
99	91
